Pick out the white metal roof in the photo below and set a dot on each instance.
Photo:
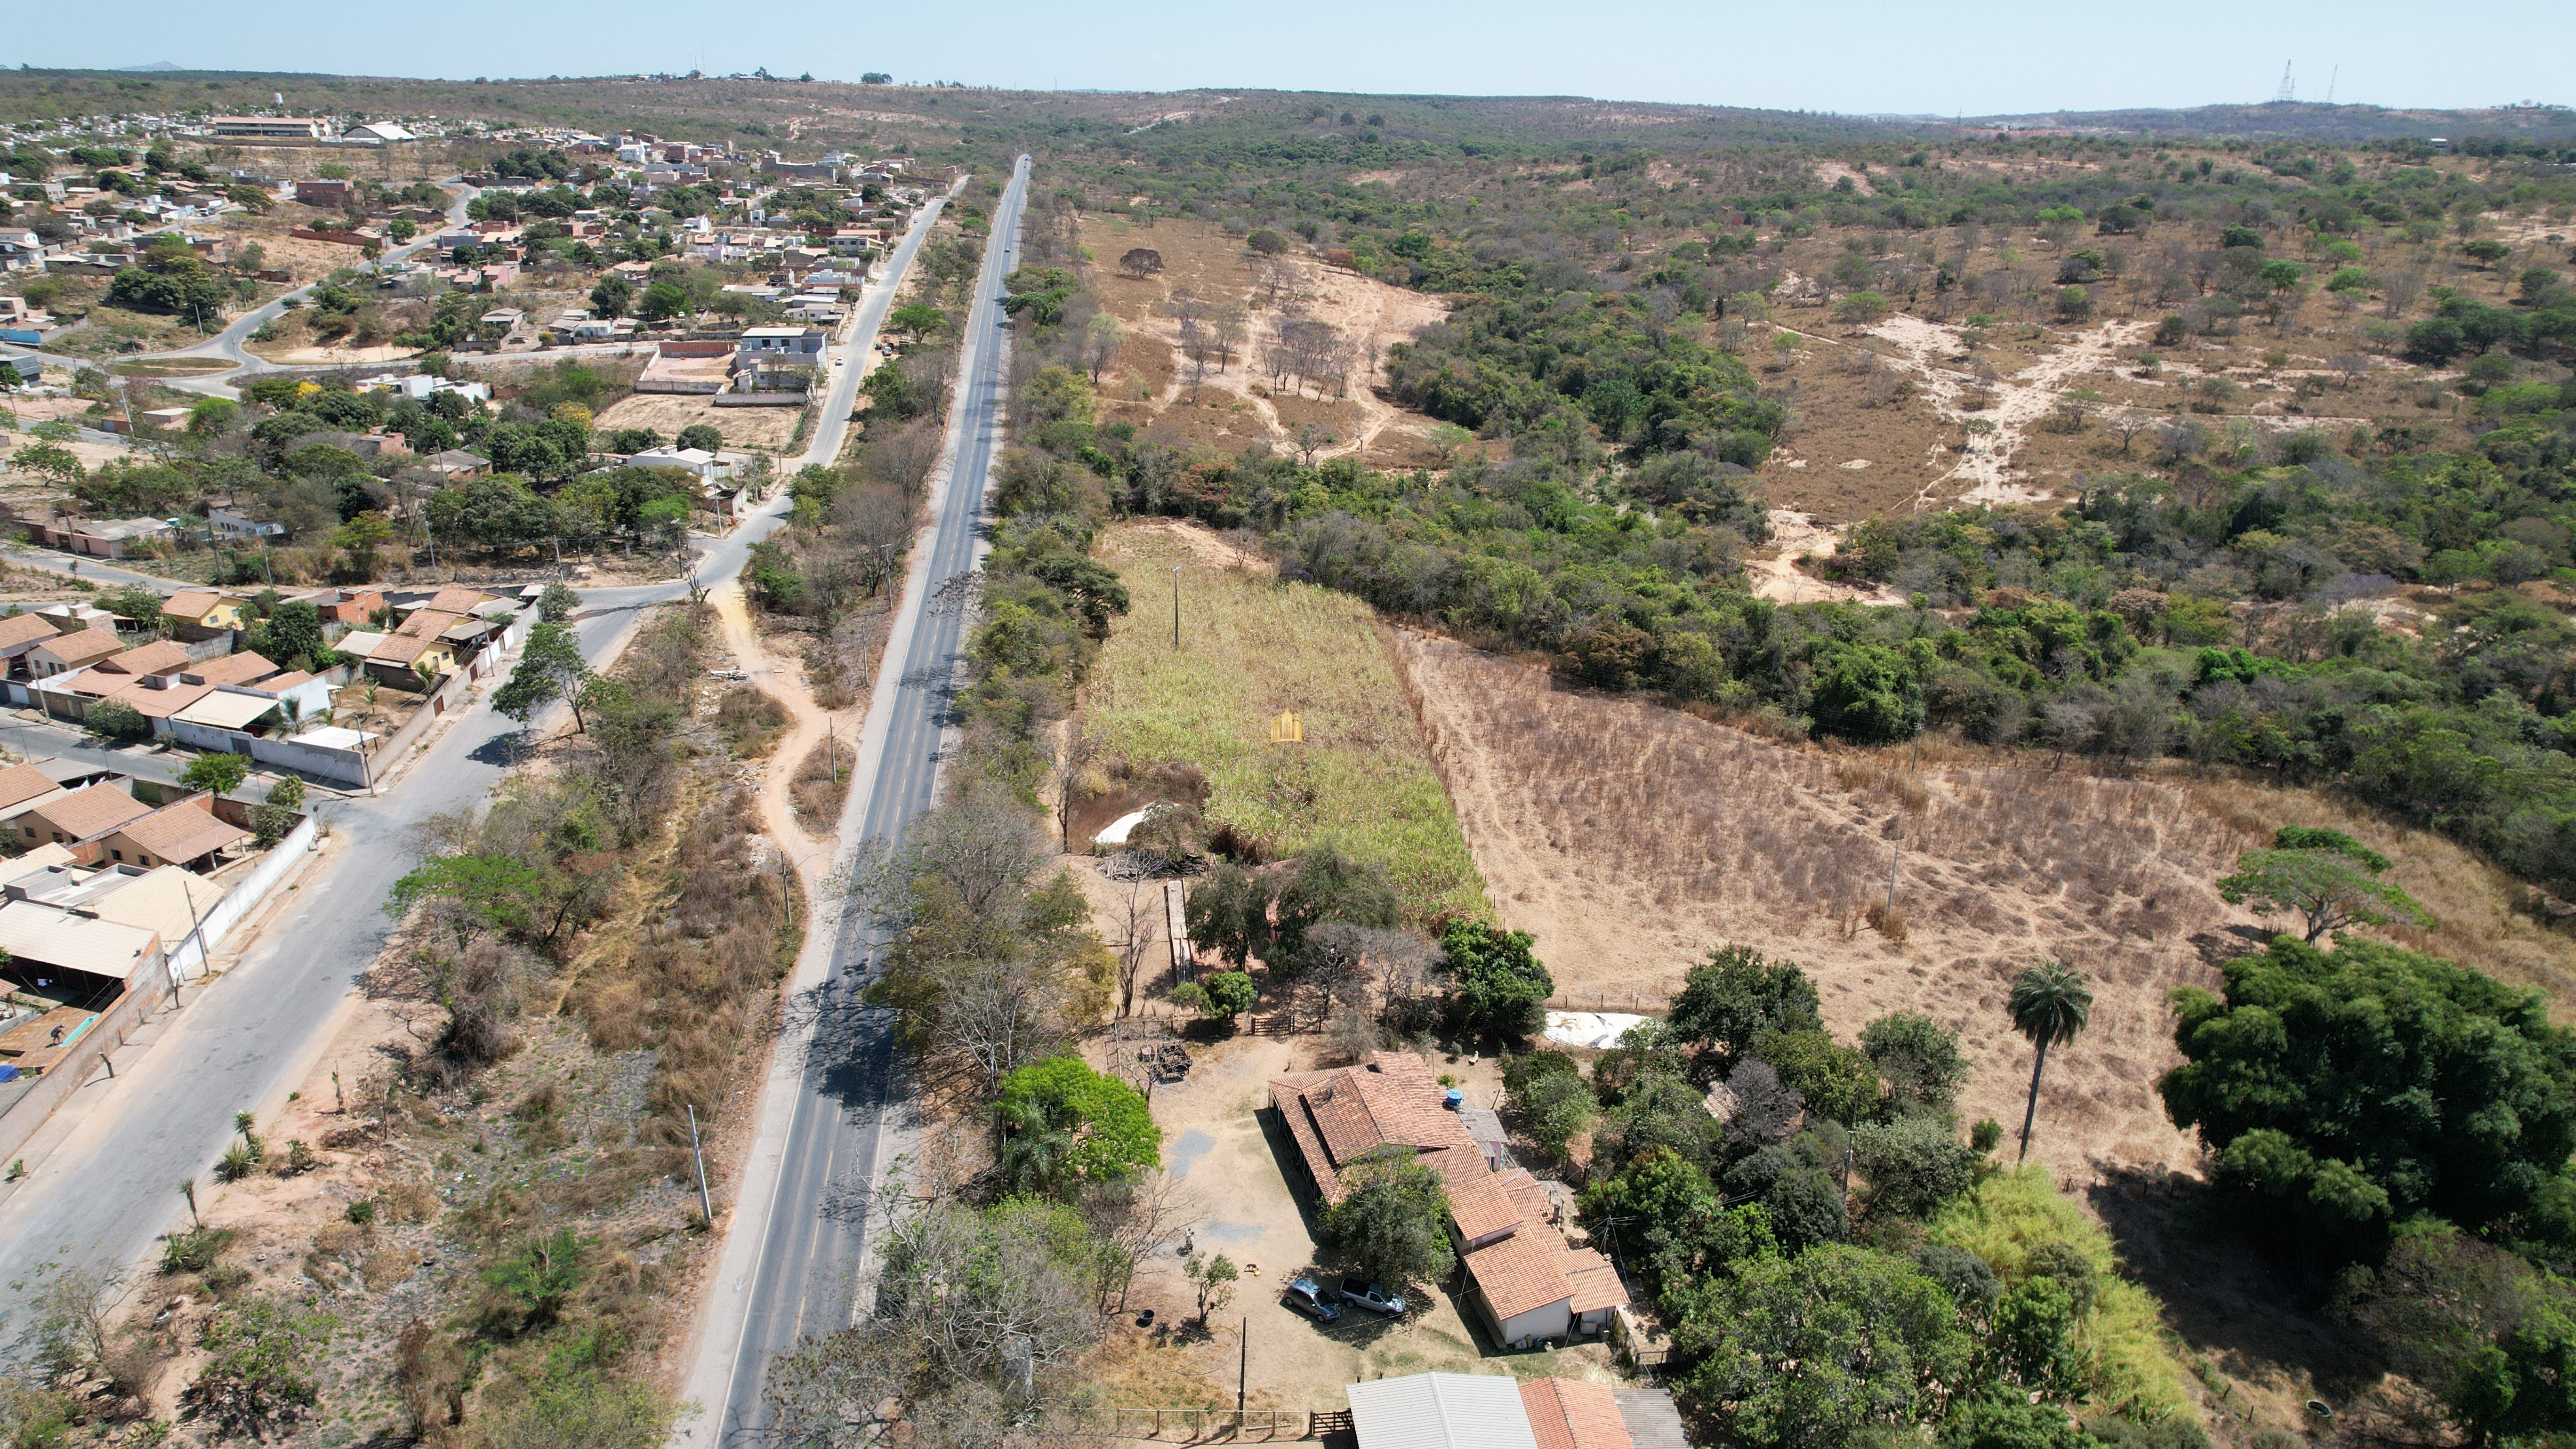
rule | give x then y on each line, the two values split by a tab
1441	1411
56	937
223	711
334	737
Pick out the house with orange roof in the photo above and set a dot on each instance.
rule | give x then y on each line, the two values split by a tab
80	815
195	614
66	652
1526	1281
187	834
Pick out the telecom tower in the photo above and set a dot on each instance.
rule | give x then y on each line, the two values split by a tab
2289	88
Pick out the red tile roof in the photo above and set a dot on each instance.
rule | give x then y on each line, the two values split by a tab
1519	1273
182	832
241	668
1572	1414
22	630
161	656
88	813
22	783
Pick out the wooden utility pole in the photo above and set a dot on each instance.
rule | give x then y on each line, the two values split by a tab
1176	606
1243	1366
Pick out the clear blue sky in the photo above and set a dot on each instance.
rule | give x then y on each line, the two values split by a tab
1868	56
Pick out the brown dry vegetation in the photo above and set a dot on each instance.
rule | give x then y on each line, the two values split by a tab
1631	840
564	1107
1235	404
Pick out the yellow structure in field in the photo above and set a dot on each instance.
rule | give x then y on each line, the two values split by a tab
1287	729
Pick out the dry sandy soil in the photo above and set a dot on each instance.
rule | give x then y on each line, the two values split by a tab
1630	863
750	430
1149	383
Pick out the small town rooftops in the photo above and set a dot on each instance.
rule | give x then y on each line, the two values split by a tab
22	783
192	603
239	668
161	656
21	632
44	934
224	710
88	813
183	831
87	646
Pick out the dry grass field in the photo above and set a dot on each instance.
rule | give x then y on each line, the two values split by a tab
1252	647
1632	840
1235	404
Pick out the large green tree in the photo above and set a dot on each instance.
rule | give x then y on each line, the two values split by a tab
2349	1090
1107	1129
2326	876
1393	1220
1499	986
1827	1347
1735	996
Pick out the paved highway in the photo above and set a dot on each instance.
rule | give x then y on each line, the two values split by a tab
797	1234
104	1193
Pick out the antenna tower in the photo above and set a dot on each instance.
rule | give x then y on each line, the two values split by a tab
2335	76
2289	88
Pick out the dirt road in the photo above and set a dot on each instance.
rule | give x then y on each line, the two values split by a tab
783	681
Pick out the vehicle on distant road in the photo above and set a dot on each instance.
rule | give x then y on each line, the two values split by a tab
1306	1298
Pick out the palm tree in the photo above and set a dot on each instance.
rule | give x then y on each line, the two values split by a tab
2050	1003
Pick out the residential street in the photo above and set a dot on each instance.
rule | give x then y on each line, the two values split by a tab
829	1124
106	1191
228	343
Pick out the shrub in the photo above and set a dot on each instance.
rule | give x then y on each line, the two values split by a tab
118	720
195	1251
2019	1224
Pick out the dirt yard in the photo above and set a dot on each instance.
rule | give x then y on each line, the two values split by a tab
1214	1144
747	430
1632	840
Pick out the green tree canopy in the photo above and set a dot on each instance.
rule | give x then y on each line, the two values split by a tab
2349	1090
1112	1131
1735	996
1393	1220
222	773
1499	985
2326	876
1822	1348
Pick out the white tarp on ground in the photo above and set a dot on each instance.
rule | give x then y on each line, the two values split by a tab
1117	831
1600	1029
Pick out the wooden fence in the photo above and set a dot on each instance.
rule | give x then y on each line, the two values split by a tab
1198	1426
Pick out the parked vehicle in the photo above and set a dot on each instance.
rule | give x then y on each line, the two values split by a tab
1306	1298
1372	1296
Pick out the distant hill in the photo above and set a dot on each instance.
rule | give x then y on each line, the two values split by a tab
2301	121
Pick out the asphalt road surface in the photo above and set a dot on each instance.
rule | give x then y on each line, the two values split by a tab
812	1234
103	1194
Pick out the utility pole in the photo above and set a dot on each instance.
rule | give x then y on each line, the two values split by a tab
1895	856
1243	1366
706	1206
1176	606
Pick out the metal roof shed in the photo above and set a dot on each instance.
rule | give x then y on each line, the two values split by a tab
1441	1411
